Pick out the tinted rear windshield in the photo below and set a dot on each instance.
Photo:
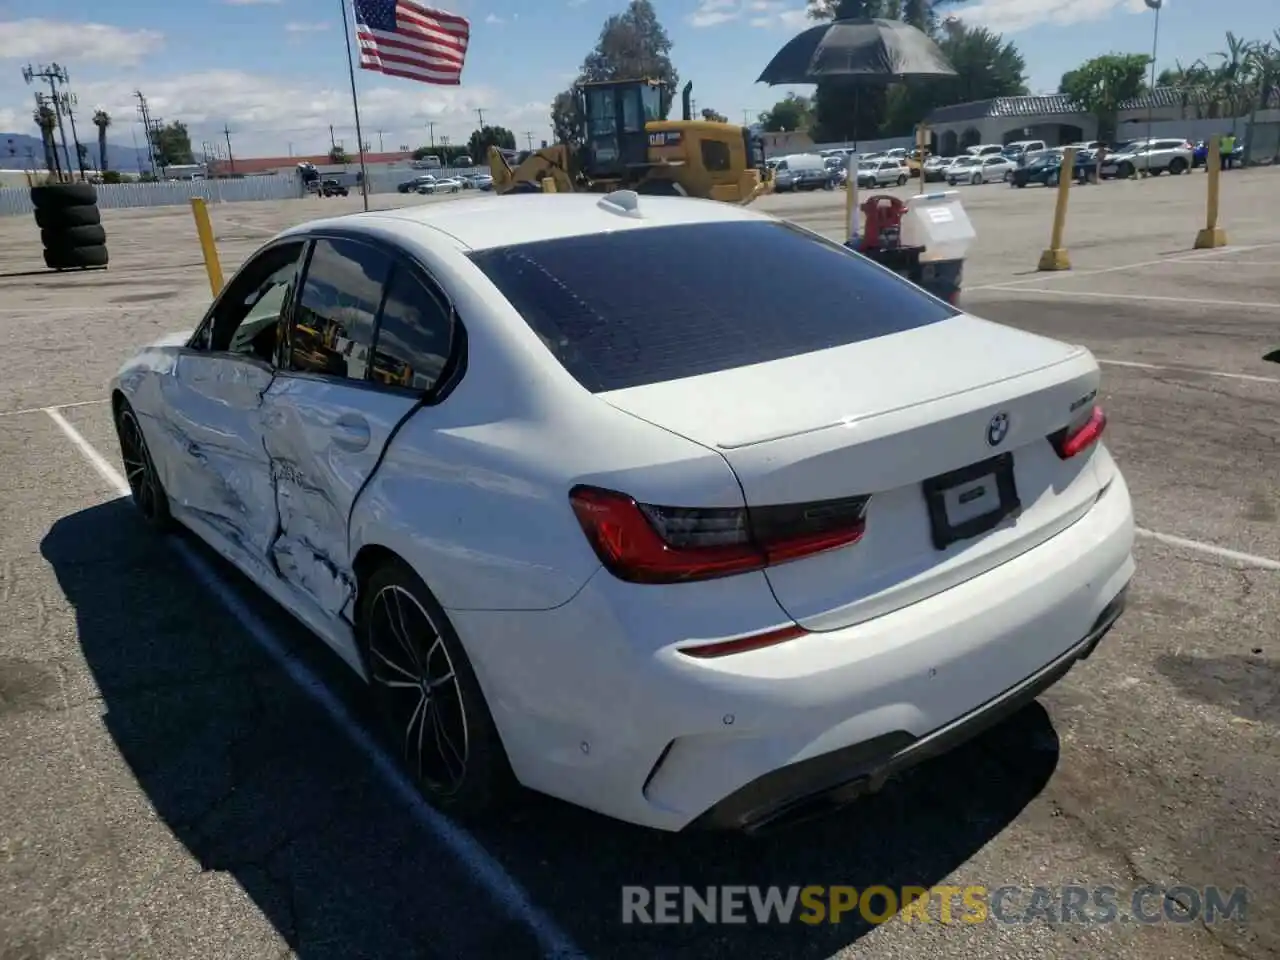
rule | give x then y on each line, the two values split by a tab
653	304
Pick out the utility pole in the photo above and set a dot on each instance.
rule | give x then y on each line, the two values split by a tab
480	114
231	157
380	150
333	144
50	142
66	101
53	75
145	116
157	124
746	118
431	133
528	136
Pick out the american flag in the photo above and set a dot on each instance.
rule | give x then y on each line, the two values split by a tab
402	38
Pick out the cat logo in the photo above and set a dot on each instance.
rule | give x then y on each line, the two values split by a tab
666	138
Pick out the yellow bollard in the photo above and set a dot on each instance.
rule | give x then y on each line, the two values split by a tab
1055	258
922	138
548	185
1212	235
204	230
852	226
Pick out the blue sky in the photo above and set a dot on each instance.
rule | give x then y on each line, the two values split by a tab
275	71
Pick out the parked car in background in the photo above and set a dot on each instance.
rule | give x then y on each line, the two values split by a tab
802	171
985	150
882	173
1200	153
332	188
934	170
412	185
984	169
445	185
1156	156
1046	169
1023	151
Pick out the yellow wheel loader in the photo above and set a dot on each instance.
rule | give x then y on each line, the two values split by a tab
629	147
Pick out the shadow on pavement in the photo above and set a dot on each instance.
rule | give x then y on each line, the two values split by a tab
257	780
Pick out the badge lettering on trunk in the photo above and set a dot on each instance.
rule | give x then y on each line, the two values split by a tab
997	429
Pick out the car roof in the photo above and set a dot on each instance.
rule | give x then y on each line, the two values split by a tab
482	223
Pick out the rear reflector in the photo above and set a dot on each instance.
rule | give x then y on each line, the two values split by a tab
643	543
757	641
1075	439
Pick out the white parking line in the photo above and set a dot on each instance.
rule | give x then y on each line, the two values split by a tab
1248	377
29	410
1248	559
1093	295
484	869
1220	253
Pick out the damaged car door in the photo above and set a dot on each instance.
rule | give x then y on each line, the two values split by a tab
210	451
350	376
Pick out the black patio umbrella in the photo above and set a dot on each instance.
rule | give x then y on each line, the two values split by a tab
857	51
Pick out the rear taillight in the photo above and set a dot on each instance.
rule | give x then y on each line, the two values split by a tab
1075	439
643	543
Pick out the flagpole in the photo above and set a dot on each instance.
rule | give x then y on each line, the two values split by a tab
355	103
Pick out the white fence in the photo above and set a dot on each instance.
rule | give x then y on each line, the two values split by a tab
16	201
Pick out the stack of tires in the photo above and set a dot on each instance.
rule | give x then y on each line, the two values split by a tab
70	225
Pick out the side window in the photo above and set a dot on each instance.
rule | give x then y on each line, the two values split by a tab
332	329
246	317
415	335
715	156
782	165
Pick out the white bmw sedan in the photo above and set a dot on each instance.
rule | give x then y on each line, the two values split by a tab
599	506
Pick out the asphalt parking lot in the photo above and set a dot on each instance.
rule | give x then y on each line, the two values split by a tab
186	774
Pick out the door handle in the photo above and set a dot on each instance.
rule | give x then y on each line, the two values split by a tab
351	433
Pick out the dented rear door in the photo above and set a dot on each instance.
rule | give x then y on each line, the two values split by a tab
325	438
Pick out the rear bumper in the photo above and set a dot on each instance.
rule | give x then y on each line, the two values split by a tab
811	786
596	706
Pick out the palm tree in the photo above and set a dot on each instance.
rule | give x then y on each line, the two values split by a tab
102	120
47	121
1234	77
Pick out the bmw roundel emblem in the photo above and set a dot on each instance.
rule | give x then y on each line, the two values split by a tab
997	429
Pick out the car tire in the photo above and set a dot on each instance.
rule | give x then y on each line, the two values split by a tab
63	218
1053	179
977	179
75	258
406	638
1124	171
59	196
68	237
1177	166
148	494
1008	176
902	179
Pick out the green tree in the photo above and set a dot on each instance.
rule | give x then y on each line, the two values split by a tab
486	137
1100	85
987	66
792	112
47	122
172	144
567	119
633	45
712	116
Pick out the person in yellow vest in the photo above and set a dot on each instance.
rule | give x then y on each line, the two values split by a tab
1228	148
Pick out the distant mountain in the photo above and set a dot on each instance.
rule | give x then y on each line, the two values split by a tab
14	153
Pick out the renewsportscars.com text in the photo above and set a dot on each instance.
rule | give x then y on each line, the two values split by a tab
1148	904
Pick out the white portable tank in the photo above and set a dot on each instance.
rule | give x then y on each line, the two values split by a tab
937	222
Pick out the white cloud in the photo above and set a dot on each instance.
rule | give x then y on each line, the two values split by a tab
758	13
266	114
304	27
37	39
1010	16
712	13
494	18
